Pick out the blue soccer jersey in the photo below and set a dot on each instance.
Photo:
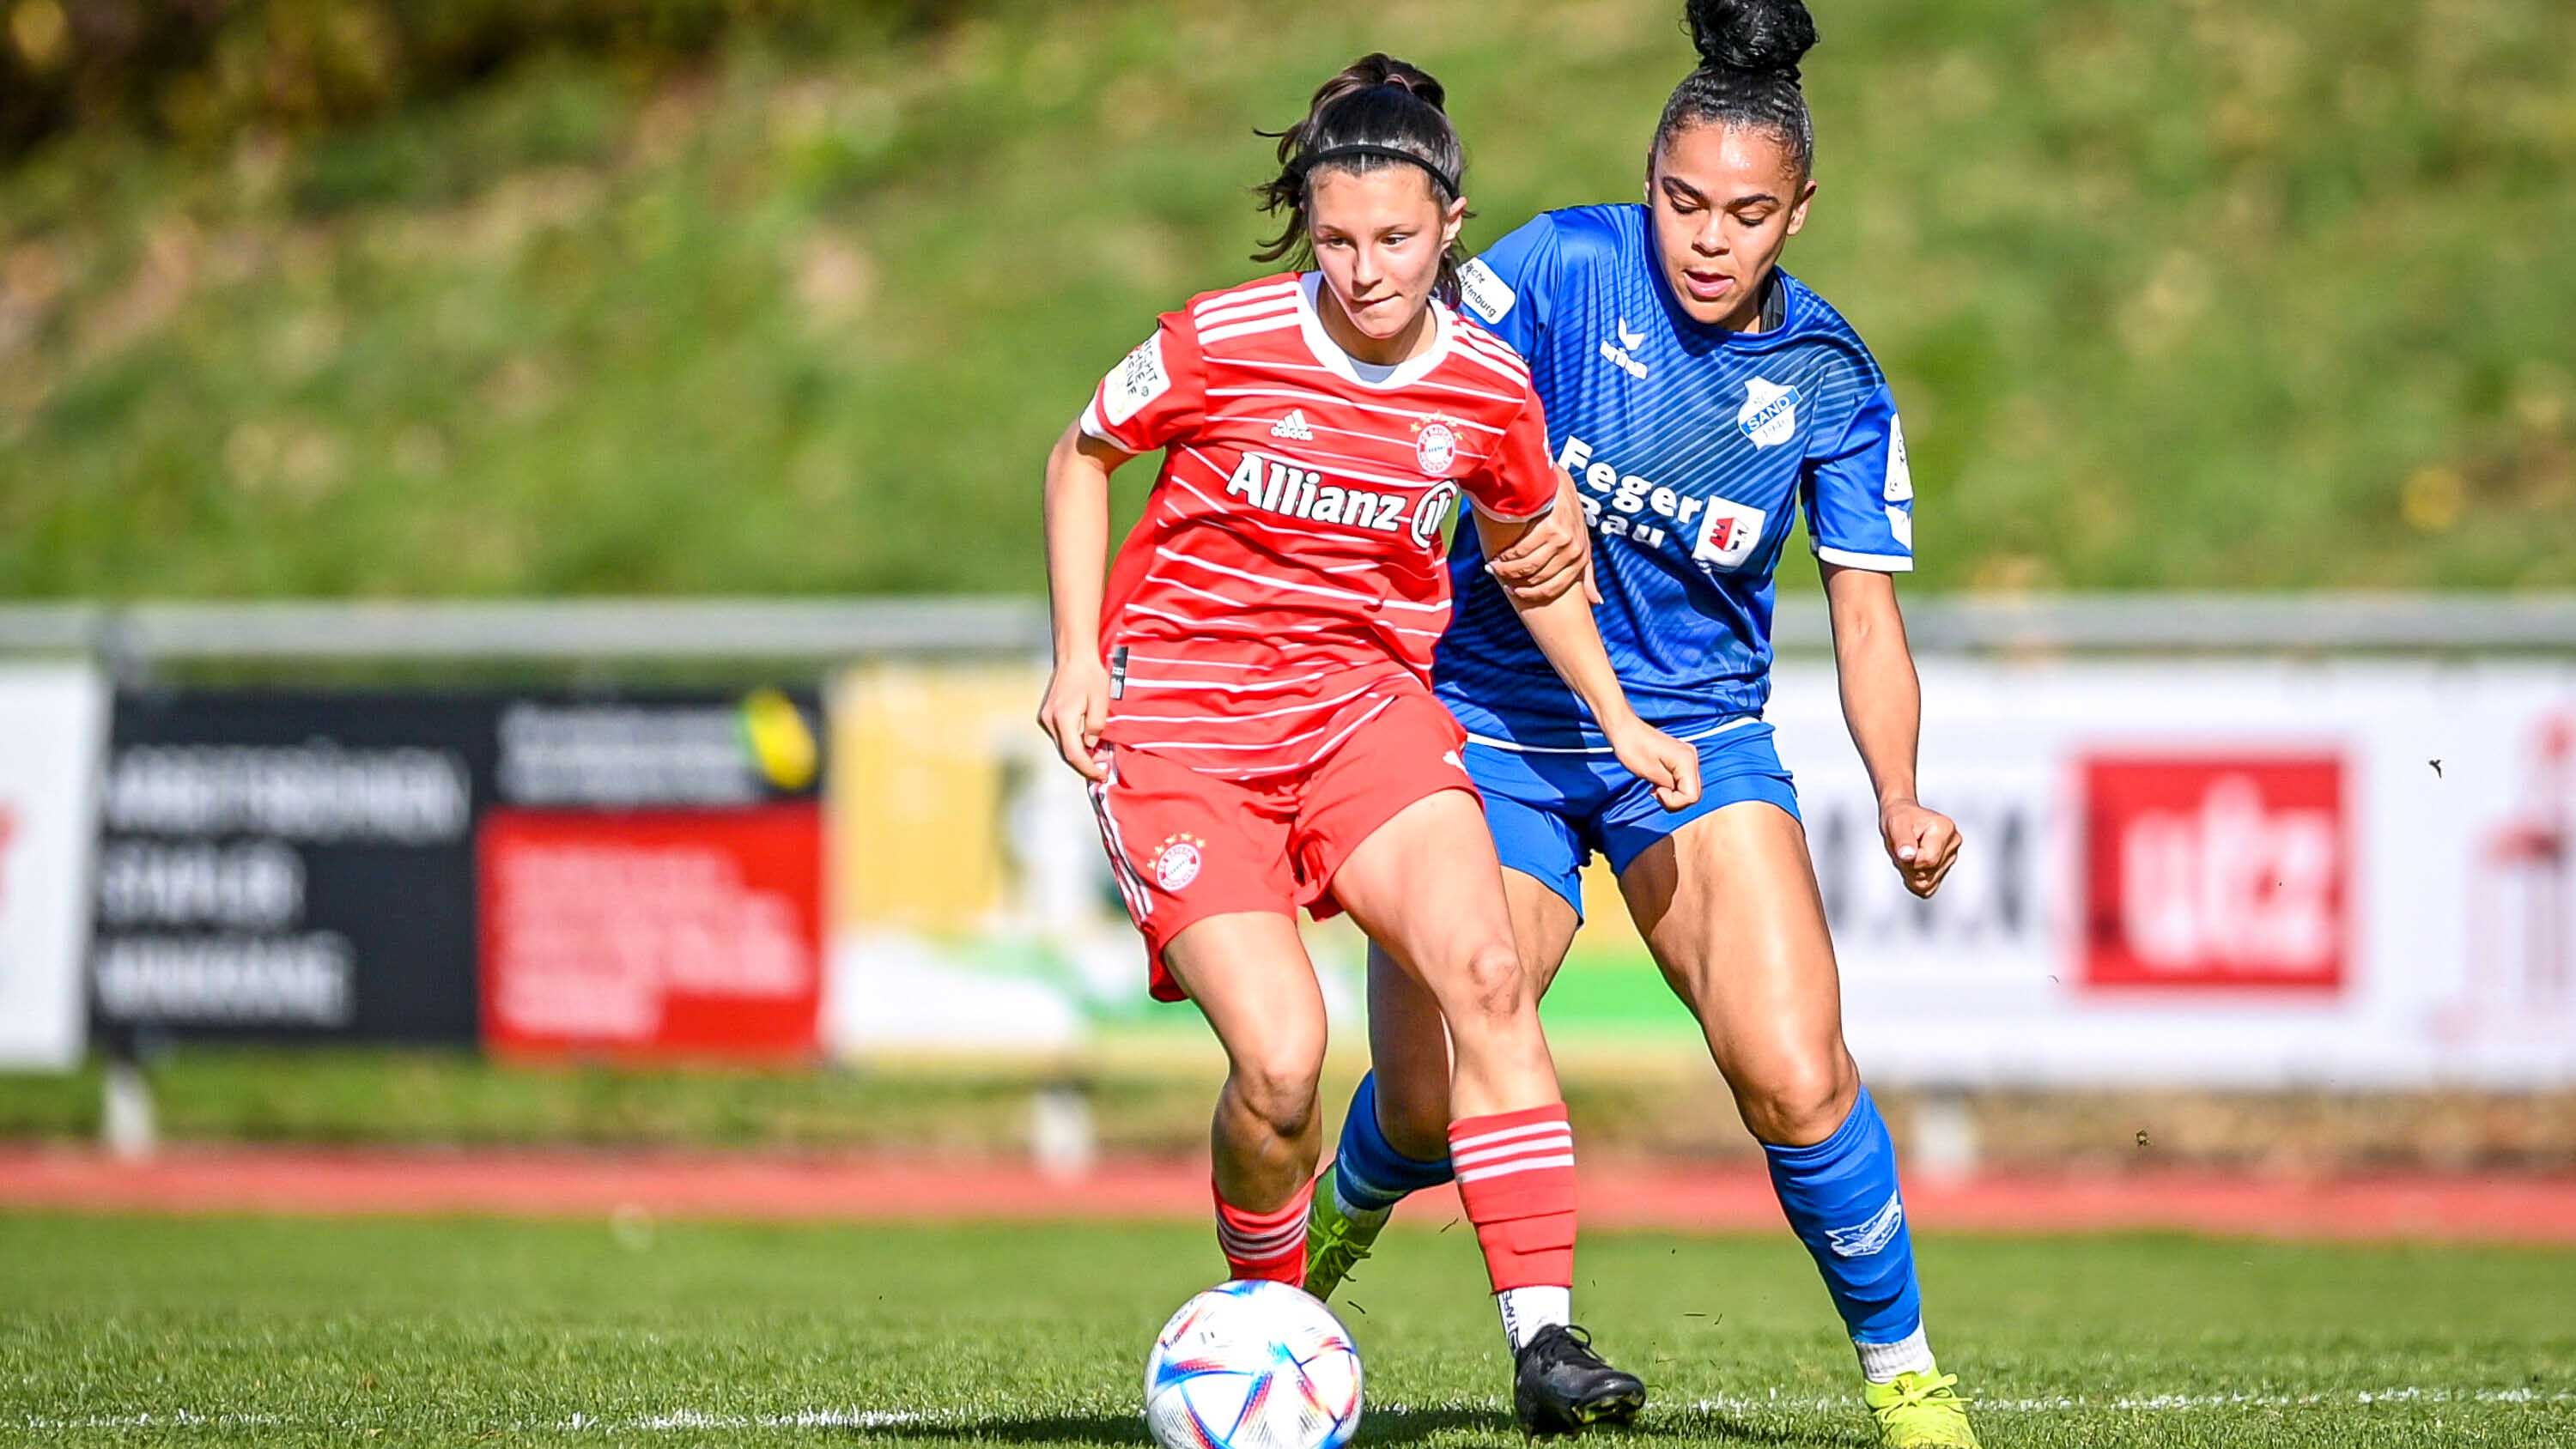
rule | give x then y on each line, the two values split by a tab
1690	445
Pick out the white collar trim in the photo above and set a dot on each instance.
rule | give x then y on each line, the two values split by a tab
1341	364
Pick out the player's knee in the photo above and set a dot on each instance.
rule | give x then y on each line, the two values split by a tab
1798	1098
1278	1087
1492	992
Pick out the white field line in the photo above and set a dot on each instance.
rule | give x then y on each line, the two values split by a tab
172	1419
1724	1404
2170	1403
964	1420
800	1419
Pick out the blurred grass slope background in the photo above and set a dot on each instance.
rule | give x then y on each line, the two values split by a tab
772	297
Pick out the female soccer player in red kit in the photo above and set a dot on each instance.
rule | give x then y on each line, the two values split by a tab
1249	697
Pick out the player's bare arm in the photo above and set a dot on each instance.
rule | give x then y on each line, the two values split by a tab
1883	706
1553	556
1076	706
1562	628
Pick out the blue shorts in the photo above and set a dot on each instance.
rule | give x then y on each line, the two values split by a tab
1551	811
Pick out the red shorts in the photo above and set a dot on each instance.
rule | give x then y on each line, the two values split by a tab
1185	846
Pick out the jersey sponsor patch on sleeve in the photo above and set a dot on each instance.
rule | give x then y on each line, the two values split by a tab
1900	478
1138	380
1485	291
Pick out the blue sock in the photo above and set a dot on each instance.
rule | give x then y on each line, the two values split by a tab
1367	1170
1842	1201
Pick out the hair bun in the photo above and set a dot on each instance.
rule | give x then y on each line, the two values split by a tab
1383	69
1755	35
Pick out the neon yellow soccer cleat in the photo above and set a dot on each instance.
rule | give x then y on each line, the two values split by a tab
1920	1411
1335	1241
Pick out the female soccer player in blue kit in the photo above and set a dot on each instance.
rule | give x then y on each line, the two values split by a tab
1696	394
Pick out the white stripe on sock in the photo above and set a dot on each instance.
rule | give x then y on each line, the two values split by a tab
1507	1169
1561	1142
1263	1246
1367	1217
1346	1181
1466	1144
1250	1223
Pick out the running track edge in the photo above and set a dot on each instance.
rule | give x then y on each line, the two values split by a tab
1718	1198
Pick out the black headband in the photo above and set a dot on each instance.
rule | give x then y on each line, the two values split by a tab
1312	159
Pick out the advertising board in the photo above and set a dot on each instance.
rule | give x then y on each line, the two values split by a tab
53	720
544	873
2329	872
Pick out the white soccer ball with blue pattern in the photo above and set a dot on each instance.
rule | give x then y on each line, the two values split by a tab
1252	1365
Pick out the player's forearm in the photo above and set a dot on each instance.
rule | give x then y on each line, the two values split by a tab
1564	631
1882	697
1883	705
1077	544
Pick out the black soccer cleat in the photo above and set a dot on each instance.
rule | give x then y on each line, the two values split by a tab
1560	1386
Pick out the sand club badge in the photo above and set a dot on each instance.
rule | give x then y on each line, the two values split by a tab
1770	413
1435	446
1176	861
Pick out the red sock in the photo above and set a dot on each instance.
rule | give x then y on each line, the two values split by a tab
1265	1245
1516	1177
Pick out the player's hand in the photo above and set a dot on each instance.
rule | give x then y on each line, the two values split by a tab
1074	710
1923	843
1553	556
1661	761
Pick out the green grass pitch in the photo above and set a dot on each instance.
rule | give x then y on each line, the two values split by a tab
300	1332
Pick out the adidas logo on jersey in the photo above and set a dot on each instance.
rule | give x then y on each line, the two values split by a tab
1293	428
1284	488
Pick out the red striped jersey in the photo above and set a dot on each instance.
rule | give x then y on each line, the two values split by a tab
1286	581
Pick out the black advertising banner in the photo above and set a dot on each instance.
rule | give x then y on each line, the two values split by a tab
307	865
662	751
652	876
278	865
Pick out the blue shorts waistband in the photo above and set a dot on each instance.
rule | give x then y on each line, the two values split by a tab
1687	735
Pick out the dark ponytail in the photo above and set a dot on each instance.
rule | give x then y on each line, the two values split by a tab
1378	112
1748	73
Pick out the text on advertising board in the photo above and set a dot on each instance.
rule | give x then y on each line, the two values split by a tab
2215	872
697	933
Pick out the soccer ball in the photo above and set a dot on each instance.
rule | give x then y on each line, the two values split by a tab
1252	1365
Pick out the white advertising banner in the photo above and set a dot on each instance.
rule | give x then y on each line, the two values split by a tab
2330	873
53	720
2354	873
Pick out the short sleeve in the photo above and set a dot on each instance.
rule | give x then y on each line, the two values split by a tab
1510	286
1155	394
1858	495
1518	482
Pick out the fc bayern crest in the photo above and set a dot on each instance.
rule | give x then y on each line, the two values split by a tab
1177	861
1435	448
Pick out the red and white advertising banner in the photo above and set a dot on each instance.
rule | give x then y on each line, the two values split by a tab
53	724
673	933
2337	873
2214	872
